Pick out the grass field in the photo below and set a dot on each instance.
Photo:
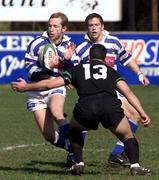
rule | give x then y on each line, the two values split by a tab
24	155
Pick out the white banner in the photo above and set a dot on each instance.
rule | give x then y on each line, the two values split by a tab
76	10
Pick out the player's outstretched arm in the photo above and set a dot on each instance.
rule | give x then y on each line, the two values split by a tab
22	86
135	68
134	101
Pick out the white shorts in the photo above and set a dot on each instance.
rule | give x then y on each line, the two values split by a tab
41	99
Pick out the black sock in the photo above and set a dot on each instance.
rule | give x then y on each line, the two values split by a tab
77	143
131	148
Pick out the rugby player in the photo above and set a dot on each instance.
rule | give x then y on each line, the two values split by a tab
96	86
115	52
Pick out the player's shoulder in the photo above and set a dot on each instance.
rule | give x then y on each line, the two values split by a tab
66	38
96	62
71	72
39	41
82	45
113	72
113	37
76	69
114	40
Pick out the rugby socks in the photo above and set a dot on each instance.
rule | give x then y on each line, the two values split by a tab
63	134
133	126
131	148
63	130
64	142
70	156
119	147
77	143
134	165
56	137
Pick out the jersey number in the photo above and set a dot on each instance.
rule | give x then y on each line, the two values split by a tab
101	74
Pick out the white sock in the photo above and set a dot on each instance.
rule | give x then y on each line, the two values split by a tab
120	143
56	137
134	165
80	163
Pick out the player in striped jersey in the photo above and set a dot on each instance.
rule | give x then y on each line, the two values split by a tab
115	52
49	105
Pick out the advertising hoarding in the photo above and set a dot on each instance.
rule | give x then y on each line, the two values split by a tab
144	47
76	10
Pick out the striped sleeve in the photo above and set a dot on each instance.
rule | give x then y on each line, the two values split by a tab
124	56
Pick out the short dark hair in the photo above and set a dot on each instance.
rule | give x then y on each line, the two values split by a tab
94	15
63	17
97	51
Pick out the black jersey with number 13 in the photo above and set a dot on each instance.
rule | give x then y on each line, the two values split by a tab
92	78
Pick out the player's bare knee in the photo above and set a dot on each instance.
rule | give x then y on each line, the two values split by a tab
135	117
123	136
130	112
58	115
128	136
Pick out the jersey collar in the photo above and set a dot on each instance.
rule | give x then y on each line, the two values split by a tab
65	38
105	33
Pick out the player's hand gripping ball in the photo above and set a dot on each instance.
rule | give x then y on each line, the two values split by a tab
49	57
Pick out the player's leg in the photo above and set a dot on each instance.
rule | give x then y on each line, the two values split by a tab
44	120
57	108
131	147
37	104
56	105
81	121
117	155
77	142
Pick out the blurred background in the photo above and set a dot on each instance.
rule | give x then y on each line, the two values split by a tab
135	22
136	15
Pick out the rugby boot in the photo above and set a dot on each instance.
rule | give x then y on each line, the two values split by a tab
119	160
140	171
76	169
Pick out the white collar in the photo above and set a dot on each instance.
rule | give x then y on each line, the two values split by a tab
105	33
64	38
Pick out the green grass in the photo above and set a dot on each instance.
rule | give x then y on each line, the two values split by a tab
24	155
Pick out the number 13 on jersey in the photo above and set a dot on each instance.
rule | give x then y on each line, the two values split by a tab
100	74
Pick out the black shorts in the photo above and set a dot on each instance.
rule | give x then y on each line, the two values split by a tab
95	109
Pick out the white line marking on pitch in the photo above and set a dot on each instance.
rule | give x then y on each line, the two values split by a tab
10	148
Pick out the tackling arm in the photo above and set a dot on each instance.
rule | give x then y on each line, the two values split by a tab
22	86
133	100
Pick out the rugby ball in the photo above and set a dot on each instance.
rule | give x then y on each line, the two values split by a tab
47	52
